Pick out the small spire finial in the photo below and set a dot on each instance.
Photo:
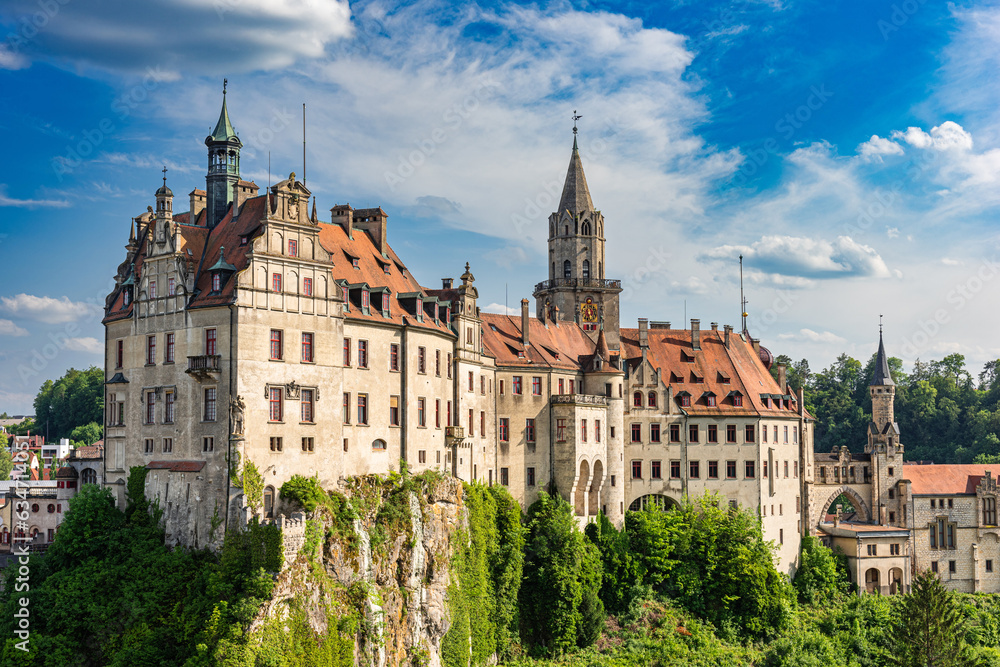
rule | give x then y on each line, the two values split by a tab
880	325
225	82
576	117
164	175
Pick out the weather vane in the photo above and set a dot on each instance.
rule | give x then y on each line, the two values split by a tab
164	174
225	82
576	117
880	324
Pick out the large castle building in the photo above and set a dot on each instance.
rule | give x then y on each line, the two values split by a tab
246	332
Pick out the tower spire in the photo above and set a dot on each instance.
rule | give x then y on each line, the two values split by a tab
575	195
576	117
882	374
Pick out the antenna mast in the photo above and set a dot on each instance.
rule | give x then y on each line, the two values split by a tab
743	301
303	143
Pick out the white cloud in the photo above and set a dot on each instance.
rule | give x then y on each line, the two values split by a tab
8	328
948	261
947	136
87	344
501	309
11	59
810	336
44	309
6	200
508	256
892	232
873	149
690	285
807	257
224	36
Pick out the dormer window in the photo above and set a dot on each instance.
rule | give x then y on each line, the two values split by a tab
447	315
688	358
365	300
710	400
216	282
385	269
420	310
126	296
685	401
437	312
385	304
354	263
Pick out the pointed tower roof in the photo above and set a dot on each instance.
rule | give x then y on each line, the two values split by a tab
575	195
224	128
602	347
882	374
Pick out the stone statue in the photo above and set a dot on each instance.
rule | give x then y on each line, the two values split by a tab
236	408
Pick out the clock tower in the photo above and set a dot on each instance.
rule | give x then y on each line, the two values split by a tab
576	283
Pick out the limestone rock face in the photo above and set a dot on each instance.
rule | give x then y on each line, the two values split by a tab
382	561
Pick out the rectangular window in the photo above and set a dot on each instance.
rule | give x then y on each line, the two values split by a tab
171	287
654	432
786	469
561	386
515	385
449	365
933	536
951	566
394	411
694	469
749	435
951	535
293	248
472	422
730	469
276	351
675	469
208	444
347	352
147	445
152	289
786	434
795	434
449	422
385	304
307	286
989	564
675	433
530	477
795	468
150	350
366	302
276	444
636	469
597	430
713	470
583	430
276	282
572	386
472	381
308	444
275	404
529	430
210	412
421	412
713	433
362	354
636	432
437	363
307	348
504	435
437	413
730	433
934	566
989	511
346	416
693	433
536	386
893	549
216	281
307	405
168	408
763	469
211	341
776	434
560	430
751	470
763	430
362	408
168	349
393	356
150	407
119	353
422	456
421	359
482	424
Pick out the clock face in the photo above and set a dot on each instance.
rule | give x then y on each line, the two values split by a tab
588	311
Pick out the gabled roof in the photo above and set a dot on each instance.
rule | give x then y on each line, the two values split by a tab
575	195
566	346
946	479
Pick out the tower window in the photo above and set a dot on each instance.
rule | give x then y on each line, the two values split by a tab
567	269
586	269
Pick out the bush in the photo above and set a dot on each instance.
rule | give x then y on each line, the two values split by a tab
305	491
818	578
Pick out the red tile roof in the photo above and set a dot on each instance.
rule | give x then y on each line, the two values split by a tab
176	466
707	370
564	346
946	479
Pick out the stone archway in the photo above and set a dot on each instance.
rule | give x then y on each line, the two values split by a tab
580	496
864	514
895	581
653	499
594	494
872	581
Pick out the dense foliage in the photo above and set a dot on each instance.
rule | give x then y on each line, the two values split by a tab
821	575
305	491
944	415
75	399
931	627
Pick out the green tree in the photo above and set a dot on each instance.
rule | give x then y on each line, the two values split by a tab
560	607
622	577
75	399
817	579
87	434
931	628
6	459
305	491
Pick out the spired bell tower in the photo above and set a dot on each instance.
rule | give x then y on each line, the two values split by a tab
223	166
883	446
576	283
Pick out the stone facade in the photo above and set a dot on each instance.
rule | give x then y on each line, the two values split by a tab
253	335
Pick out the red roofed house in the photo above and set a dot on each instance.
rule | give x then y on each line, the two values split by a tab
248	333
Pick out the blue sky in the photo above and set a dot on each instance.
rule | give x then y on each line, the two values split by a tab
850	151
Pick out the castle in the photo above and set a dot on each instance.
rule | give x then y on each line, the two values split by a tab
246	332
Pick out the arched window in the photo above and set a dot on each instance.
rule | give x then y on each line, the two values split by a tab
565	230
586	229
586	269
600	270
269	502
652	399
379	444
567	269
89	476
637	399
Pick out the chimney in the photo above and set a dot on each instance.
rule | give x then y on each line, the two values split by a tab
715	326
555	316
756	345
643	332
446	283
525	321
375	222
782	377
695	334
802	404
237	200
836	519
729	332
343	215
197	206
